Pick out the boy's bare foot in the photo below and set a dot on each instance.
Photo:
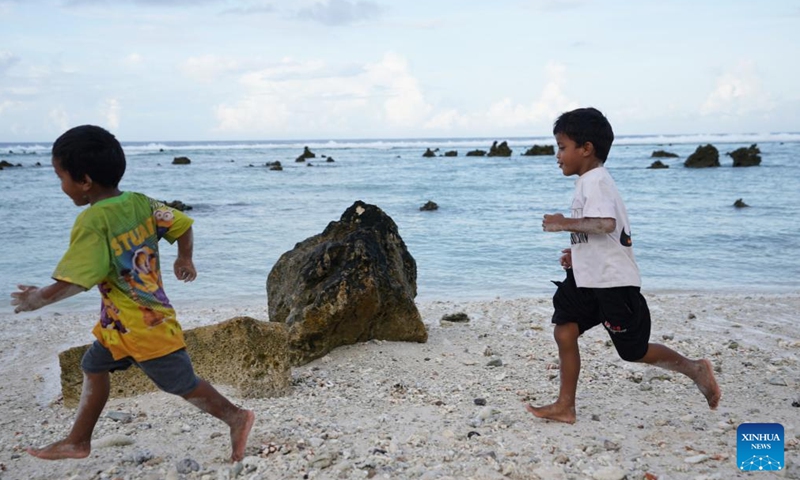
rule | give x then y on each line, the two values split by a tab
60	450
239	433
707	384
554	411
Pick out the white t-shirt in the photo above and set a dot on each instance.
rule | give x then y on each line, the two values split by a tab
602	260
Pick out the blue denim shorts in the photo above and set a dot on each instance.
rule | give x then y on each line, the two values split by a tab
172	373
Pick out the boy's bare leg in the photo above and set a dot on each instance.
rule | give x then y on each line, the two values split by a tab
78	443
569	356
208	399
700	371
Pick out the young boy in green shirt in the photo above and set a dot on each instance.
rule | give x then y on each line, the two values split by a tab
114	245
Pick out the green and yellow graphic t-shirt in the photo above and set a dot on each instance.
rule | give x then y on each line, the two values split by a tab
114	245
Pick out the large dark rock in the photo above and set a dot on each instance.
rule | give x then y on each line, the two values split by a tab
181	161
501	150
705	156
746	157
353	282
248	354
476	153
540	150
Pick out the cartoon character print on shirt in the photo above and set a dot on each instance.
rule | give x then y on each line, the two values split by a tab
109	313
144	284
164	218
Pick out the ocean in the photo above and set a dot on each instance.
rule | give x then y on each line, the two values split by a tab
484	241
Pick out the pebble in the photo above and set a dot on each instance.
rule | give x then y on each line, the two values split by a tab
113	441
609	473
696	459
187	465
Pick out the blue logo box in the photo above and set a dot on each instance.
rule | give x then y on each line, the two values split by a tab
759	447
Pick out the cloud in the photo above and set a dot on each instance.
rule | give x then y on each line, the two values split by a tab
7	60
405	103
111	112
384	96
158	3
133	60
311	96
551	102
341	12
738	92
557	5
6	105
256	9
59	118
207	67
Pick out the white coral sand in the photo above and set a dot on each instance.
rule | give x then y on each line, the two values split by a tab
436	410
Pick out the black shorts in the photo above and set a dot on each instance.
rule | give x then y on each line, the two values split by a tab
622	311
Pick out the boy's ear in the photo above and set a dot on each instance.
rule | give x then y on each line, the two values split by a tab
588	149
87	183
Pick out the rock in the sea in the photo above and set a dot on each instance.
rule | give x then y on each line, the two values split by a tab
705	156
540	150
658	164
476	153
177	205
663	154
243	352
181	161
354	282
306	154
429	206
746	157
739	203
501	150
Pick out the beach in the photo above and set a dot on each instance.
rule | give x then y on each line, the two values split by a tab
451	408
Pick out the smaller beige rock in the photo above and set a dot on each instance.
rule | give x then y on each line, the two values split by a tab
243	352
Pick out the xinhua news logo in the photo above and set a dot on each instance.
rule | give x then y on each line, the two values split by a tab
759	447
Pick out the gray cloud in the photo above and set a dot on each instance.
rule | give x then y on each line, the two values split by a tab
250	10
7	60
158	3
341	12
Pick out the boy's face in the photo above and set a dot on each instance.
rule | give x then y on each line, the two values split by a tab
74	190
574	159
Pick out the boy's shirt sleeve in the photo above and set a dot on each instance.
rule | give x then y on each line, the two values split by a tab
87	261
599	200
170	223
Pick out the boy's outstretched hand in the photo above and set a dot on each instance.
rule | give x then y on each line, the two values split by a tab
184	269
30	298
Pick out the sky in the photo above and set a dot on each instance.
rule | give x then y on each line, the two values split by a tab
170	70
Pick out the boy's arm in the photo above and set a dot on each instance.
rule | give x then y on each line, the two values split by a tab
184	266
30	298
558	223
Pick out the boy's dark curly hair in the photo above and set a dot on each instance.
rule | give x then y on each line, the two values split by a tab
587	125
93	151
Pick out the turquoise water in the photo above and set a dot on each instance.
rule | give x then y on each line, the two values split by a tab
485	240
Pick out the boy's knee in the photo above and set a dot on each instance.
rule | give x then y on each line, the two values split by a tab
566	334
